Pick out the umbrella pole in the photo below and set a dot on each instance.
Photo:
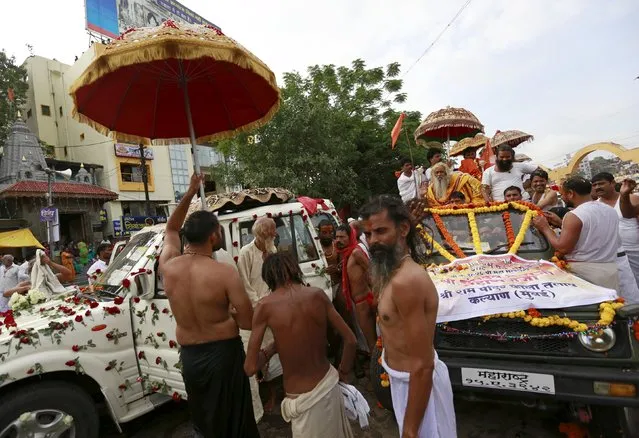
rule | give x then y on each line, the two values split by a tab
410	151
189	119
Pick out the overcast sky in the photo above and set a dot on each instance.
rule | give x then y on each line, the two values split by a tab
563	70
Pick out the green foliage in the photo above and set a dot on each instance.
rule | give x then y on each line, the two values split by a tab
331	137
11	76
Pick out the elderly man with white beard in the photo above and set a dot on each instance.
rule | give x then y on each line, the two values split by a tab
445	182
250	263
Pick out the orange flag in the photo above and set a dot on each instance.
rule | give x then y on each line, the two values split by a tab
487	158
10	95
396	130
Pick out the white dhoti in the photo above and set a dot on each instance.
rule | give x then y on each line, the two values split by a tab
628	288
320	412
439	418
601	274
258	408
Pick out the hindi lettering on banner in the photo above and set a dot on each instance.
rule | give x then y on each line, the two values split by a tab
513	284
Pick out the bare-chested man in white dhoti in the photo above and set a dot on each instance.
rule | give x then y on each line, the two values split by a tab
407	308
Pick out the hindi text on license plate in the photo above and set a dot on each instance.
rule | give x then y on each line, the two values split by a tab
509	380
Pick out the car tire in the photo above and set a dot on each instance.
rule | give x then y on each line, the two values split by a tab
51	400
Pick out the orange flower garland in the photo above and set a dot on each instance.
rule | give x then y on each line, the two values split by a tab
558	260
385	380
447	236
510	233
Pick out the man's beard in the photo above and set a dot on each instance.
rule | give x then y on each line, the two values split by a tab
440	186
269	245
326	241
385	259
504	165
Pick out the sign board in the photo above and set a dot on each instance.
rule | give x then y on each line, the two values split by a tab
484	285
110	18
132	151
131	224
48	214
117	228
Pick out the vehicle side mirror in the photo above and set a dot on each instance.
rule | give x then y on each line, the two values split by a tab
629	310
146	285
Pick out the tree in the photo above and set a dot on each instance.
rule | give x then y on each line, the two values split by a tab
13	77
331	137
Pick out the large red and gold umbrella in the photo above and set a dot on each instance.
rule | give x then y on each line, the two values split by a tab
174	84
449	124
512	138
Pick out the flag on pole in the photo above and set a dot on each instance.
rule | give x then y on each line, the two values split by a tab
10	95
487	158
396	130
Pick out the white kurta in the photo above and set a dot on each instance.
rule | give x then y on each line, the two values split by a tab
249	264
439	418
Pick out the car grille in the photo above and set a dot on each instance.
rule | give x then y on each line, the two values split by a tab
545	347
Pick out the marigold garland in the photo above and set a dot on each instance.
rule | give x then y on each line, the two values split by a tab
436	246
558	260
607	311
385	380
447	236
522	231
510	233
472	222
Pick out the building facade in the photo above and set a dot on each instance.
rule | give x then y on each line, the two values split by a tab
48	113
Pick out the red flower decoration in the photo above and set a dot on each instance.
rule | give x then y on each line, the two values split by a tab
136	299
176	397
235	259
87	313
78	318
24	340
30	371
94	304
254	216
126	283
114	310
75	348
165	311
98	271
70	363
235	244
122	387
141	355
118	300
172	344
160	334
109	335
158	360
269	215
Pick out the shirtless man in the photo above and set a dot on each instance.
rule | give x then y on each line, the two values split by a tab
355	282
201	291
407	309
299	317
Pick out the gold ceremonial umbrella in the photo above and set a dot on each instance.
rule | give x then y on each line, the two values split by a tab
477	141
449	124
512	138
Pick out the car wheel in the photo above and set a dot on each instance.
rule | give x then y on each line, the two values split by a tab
53	409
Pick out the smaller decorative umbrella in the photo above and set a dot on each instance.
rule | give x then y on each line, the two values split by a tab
477	141
520	158
512	138
449	124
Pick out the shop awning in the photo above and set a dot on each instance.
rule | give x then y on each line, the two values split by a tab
19	239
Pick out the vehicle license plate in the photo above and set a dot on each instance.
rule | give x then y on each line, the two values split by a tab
509	380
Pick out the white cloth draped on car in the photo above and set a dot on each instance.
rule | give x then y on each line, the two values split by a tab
43	278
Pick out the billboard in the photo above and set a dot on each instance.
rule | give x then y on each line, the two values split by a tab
110	18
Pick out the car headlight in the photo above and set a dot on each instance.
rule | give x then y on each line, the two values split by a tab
600	341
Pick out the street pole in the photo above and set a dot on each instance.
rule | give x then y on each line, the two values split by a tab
50	176
145	181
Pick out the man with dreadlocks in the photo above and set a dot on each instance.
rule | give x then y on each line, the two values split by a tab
407	309
299	317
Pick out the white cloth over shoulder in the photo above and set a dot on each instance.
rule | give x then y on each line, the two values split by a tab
355	404
44	280
439	418
318	413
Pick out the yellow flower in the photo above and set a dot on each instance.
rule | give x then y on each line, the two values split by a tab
385	383
475	232
522	231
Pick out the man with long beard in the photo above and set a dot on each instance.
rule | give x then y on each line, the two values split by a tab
503	174
445	182
407	309
249	264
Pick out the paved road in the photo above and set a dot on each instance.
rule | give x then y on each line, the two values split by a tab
474	420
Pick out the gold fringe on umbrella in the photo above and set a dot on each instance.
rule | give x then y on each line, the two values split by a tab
449	117
477	141
230	199
512	138
171	41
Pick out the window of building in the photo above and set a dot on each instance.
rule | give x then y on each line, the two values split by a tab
46	110
179	169
60	111
29	114
132	172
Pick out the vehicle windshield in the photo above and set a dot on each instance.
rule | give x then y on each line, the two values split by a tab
492	233
128	257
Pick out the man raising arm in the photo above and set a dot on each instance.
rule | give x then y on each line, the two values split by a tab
200	291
